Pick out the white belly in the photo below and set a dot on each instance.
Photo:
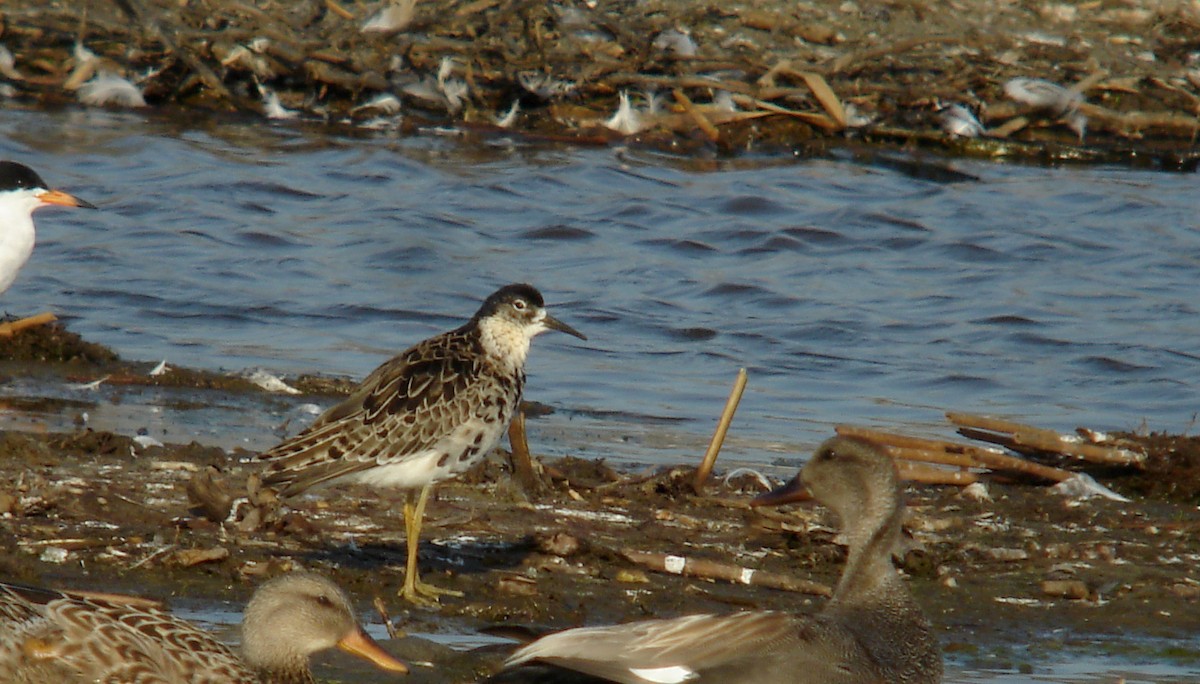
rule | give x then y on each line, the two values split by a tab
16	244
452	455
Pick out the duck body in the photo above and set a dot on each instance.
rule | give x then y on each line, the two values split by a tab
55	637
872	631
60	637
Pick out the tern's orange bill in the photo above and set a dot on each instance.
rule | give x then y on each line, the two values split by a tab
64	199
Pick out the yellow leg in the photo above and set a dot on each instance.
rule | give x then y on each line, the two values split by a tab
414	590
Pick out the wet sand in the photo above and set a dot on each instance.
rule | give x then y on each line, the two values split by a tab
1025	566
756	76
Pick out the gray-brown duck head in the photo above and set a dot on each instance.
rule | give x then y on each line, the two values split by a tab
298	614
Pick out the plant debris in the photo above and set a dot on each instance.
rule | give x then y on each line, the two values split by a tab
664	73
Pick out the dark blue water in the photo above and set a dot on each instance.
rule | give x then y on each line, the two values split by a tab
852	291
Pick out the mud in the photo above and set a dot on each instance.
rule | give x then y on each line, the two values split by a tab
801	77
1016	564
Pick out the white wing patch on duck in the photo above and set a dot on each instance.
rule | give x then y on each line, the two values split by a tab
664	675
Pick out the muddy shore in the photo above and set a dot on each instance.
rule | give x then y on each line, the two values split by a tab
757	76
1015	564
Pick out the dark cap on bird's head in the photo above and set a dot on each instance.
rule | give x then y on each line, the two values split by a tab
523	301
16	177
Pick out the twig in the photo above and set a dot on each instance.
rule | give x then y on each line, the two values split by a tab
138	13
817	85
338	9
381	608
618	79
842	63
820	120
13	327
522	460
980	457
166	549
919	472
705	569
710	131
1018	435
475	7
718	438
825	95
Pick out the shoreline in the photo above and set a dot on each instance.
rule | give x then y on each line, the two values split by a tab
1015	564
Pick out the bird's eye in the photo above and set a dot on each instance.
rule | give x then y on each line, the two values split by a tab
324	600
519	304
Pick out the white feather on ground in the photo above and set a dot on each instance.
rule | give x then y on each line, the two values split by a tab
272	107
8	64
507	119
107	88
627	120
393	18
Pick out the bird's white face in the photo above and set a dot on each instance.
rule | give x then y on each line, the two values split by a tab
506	333
537	324
23	201
509	319
46	198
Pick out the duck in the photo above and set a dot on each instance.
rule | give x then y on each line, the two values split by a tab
871	631
71	637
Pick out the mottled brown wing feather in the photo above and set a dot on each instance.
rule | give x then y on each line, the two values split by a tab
398	410
103	641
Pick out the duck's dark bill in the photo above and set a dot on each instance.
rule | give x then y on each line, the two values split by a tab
792	491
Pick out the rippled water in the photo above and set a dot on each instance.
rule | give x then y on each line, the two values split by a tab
853	291
864	291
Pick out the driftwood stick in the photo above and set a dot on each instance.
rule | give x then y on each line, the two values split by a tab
1041	439
341	12
983	457
705	569
843	63
811	118
679	82
11	328
381	608
138	13
932	455
926	474
825	95
718	438
918	444
710	131
522	461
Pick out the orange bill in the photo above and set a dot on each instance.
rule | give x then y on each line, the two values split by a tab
793	491
64	199
360	644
